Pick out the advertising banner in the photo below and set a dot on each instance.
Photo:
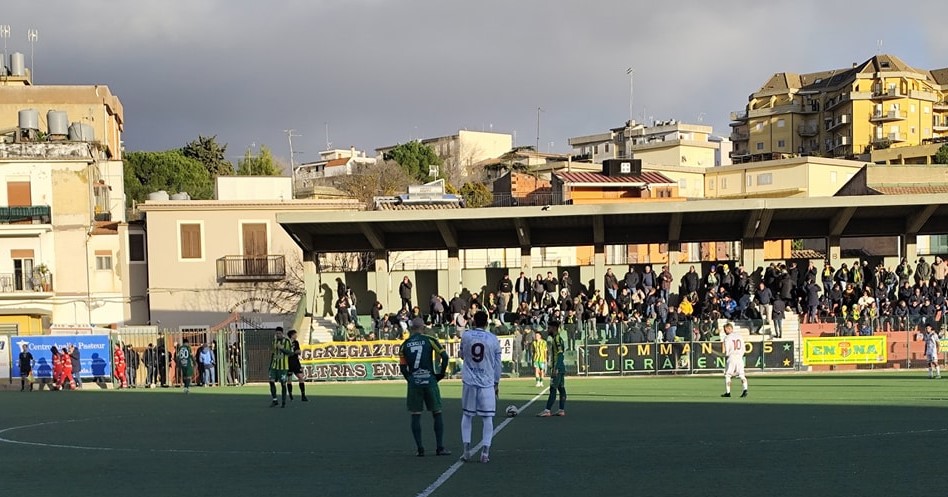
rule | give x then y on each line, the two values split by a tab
5	353
369	360
95	355
680	356
845	350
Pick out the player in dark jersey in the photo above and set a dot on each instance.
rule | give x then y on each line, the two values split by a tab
557	372
416	360
26	368
185	360
296	369
280	353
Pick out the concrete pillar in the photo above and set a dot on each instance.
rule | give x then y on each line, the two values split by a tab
599	264
383	290
833	251
674	253
310	283
454	273
908	248
752	254
526	261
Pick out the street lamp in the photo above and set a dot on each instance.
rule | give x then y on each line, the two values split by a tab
32	35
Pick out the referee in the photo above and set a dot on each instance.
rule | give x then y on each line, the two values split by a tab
296	369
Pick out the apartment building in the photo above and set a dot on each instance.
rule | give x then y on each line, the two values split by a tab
880	104
214	260
664	143
465	148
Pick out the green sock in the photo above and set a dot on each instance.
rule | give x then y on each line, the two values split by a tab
416	429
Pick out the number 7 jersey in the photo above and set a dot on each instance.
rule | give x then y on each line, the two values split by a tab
480	351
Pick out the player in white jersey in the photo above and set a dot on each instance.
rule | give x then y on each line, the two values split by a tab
931	351
480	374
734	351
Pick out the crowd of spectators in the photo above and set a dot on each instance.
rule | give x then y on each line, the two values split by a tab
647	305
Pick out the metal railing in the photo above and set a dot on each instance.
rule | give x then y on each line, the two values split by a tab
533	199
251	268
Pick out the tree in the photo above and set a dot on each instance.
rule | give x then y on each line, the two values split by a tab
384	178
414	157
941	157
476	195
171	171
259	165
210	153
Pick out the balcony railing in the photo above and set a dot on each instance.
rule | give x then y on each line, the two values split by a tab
251	268
535	199
891	115
808	130
923	95
887	139
941	105
738	136
32	214
739	115
836	101
840	121
888	93
19	282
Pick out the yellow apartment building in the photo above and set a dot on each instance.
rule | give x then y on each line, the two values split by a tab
880	104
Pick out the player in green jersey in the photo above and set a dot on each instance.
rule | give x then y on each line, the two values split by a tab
185	360
280	352
557	371
416	360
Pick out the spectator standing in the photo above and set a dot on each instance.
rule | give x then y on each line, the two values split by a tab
648	280
632	279
689	282
939	272
522	287
778	314
566	284
765	299
504	297
611	284
25	360
132	361
665	283
151	365
404	292
923	271
76	365
206	361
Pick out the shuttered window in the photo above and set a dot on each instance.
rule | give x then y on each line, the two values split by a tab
190	241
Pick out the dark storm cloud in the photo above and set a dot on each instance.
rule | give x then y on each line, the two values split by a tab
381	72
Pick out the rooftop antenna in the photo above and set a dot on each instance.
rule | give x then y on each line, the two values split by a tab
879	44
289	136
701	117
328	143
32	35
631	74
4	33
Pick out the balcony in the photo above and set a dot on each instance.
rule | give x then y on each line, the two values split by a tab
892	115
941	105
740	115
923	95
883	141
32	214
888	94
251	268
839	122
940	124
836	101
18	285
808	130
739	136
842	141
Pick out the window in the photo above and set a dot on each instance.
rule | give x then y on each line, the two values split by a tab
750	180
23	269
781	143
926	109
724	183
625	167
607	148
758	126
136	247
765	179
103	260
190	234
101	191
912	130
682	184
711	184
912	108
928	133
596	149
760	145
18	194
781	123
832	176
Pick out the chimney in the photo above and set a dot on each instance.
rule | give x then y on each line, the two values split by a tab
352	151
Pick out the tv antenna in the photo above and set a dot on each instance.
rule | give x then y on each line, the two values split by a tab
289	136
4	33
879	44
328	143
32	35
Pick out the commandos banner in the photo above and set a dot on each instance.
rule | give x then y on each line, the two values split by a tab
348	361
680	356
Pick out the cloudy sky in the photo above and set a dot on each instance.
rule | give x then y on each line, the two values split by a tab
380	72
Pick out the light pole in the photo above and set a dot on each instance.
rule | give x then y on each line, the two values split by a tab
32	35
289	137
4	33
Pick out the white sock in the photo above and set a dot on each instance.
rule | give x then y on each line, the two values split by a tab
488	432
466	423
744	382
727	385
930	375
937	370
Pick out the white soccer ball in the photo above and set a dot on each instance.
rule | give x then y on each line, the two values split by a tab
512	411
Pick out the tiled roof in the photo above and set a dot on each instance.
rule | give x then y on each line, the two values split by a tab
338	162
910	189
105	228
648	177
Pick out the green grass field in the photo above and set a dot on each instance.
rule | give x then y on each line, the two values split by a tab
796	435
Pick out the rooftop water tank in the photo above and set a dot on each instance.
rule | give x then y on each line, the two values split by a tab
160	195
17	64
81	132
181	196
58	122
29	119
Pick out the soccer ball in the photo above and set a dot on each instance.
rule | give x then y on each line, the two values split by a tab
512	411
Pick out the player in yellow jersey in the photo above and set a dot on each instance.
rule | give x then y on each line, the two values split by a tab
280	353
539	357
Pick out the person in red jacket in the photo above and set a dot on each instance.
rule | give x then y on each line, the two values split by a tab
57	367
118	365
66	375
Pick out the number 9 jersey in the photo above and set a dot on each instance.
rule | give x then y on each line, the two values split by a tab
480	351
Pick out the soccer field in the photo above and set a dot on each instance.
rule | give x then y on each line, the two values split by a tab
796	435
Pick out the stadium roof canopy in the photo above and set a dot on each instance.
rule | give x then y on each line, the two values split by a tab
617	224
